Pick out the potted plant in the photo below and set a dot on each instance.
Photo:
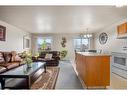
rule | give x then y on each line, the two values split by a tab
63	54
27	58
43	45
36	55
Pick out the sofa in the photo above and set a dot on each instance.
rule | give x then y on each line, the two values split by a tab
6	62
2	69
53	61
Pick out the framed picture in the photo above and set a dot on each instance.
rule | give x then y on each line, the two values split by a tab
26	42
2	33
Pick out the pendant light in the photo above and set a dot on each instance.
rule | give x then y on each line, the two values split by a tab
87	35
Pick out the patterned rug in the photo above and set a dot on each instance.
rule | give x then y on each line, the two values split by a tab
47	80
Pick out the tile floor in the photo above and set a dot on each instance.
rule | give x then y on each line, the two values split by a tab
117	82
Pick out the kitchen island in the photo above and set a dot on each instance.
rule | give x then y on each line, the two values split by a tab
93	69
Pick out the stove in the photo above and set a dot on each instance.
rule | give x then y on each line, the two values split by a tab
119	64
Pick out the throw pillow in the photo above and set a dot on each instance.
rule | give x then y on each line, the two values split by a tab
7	57
15	57
1	58
48	56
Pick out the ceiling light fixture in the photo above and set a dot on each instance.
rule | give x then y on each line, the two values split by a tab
87	35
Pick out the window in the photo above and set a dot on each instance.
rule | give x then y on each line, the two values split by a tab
44	43
81	44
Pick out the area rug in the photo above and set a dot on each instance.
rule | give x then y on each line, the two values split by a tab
48	79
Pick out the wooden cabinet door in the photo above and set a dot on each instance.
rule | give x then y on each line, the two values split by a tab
84	75
105	68
92	69
122	29
80	65
77	62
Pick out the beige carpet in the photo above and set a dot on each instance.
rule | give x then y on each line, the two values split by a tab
47	80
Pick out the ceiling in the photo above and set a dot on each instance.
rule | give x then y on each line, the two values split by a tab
62	19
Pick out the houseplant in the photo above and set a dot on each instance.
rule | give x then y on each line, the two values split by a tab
27	58
63	54
43	45
36	54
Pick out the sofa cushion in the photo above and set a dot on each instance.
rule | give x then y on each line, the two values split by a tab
21	63
1	58
10	65
2	69
48	56
45	59
54	61
15	57
42	55
7	57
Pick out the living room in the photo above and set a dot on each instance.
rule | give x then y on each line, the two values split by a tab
57	39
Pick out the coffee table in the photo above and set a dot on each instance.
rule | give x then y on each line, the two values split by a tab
29	75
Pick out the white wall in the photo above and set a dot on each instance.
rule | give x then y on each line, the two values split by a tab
69	45
56	45
57	38
14	38
113	44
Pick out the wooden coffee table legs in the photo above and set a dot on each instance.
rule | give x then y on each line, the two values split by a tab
2	80
45	68
28	81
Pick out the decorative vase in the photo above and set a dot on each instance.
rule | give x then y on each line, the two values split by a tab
29	65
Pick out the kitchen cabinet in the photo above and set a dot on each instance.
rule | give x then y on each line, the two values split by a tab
122	30
93	69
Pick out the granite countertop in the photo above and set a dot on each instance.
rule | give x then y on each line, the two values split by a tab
94	54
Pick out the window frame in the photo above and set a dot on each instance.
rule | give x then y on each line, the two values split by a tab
44	38
81	43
